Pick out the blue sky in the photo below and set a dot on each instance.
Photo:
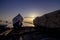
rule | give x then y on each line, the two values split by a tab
10	8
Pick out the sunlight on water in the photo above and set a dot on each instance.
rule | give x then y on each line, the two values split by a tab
27	24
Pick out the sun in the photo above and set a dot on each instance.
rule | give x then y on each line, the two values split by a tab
32	18
32	15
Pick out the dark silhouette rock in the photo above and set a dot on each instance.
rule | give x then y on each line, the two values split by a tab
17	21
2	27
51	20
48	24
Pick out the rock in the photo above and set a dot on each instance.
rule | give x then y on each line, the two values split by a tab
48	24
50	20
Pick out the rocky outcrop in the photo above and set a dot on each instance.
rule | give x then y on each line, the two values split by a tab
50	20
49	24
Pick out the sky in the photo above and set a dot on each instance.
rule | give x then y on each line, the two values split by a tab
27	8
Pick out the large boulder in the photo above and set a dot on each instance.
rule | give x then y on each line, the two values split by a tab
48	24
50	20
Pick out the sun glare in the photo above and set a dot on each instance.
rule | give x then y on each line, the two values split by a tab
33	15
32	18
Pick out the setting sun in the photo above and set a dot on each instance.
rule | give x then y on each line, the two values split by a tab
32	15
32	18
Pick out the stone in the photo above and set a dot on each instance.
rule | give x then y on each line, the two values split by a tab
50	20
